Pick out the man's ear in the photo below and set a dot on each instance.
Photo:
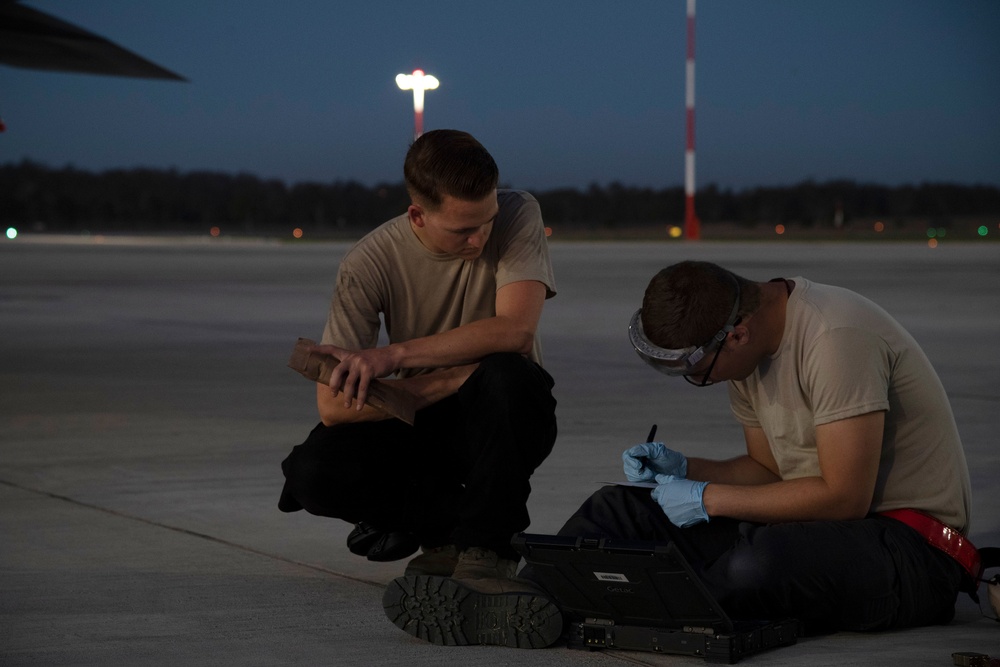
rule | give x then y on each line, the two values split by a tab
741	334
416	214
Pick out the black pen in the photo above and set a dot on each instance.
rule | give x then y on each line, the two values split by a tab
649	438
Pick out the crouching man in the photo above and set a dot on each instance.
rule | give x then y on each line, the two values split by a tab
459	281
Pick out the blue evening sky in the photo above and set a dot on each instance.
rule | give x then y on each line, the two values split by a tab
562	92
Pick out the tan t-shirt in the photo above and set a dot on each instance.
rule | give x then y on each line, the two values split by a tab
841	356
420	293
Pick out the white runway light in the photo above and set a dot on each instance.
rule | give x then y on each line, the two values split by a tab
418	82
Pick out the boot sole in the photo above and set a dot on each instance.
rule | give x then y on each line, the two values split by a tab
445	612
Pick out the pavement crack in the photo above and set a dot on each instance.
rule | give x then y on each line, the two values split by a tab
186	531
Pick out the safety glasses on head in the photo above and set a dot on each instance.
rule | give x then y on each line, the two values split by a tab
679	361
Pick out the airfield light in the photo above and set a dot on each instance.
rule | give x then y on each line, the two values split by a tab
11	233
779	229
418	82
675	232
983	230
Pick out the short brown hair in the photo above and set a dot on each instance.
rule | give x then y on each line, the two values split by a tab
687	303
449	162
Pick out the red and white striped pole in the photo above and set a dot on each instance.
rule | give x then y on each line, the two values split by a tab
692	228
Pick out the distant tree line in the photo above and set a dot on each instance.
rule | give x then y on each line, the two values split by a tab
69	199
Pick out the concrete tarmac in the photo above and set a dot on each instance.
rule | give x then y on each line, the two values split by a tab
145	407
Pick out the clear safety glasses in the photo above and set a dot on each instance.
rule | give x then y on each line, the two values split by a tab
683	360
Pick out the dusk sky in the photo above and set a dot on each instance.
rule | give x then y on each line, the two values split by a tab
562	92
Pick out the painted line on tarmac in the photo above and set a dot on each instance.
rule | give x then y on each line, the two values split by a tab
186	531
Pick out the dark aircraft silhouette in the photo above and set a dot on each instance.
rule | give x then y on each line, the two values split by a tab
33	39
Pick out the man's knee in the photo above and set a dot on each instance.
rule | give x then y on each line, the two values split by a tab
610	497
300	469
321	467
608	512
759	565
509	382
512	371
792	570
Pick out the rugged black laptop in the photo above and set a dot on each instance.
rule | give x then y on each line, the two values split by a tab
641	596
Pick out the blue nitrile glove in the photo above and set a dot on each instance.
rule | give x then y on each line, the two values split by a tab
644	462
681	500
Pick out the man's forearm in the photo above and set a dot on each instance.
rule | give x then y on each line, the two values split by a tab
463	345
802	499
848	452
428	388
432	387
512	329
332	410
740	470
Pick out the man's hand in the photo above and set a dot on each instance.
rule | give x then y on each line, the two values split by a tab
644	462
427	389
356	370
681	500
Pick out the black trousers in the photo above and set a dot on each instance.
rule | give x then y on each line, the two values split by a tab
870	574
459	475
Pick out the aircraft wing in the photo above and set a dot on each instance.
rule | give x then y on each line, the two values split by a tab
30	38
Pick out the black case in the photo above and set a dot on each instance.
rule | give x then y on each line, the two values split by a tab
644	596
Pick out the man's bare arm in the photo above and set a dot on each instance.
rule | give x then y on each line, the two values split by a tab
512	329
428	388
755	467
849	452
